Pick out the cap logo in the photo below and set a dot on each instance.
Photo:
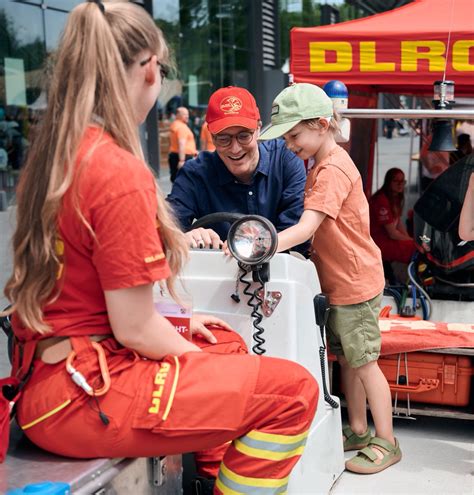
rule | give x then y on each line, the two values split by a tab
231	105
275	109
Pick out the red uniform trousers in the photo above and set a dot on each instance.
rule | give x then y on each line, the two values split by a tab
200	400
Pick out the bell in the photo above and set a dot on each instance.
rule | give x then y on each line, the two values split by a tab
442	136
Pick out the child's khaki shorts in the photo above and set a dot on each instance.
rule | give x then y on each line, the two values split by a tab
353	331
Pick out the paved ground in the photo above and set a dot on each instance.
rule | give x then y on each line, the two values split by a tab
438	453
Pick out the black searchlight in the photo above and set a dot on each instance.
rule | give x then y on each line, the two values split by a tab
252	240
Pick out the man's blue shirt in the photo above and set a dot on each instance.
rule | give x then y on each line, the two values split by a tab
204	185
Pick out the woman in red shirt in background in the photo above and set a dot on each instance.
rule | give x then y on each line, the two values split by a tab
386	228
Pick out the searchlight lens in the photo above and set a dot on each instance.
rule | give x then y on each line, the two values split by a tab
252	240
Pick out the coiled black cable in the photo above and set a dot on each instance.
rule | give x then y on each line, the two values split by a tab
255	302
322	360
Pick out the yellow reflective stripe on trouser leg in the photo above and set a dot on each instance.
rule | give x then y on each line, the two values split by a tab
231	483
46	415
271	447
272	437
173	389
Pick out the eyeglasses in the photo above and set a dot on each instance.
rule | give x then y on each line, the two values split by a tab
164	70
399	182
225	140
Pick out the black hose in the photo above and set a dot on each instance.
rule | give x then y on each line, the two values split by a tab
411	275
218	217
391	291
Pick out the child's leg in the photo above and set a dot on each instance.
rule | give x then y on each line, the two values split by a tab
355	396
357	326
380	401
382	450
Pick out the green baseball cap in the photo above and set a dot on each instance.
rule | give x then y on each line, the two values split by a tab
301	101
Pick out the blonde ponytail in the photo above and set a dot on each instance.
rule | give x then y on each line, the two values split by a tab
89	79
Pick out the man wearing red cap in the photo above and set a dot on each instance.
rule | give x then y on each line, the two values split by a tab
241	175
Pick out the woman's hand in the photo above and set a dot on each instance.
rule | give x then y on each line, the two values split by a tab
198	323
137	325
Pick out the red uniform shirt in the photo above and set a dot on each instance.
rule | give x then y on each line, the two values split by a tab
117	197
380	215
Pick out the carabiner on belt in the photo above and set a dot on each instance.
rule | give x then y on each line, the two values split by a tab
79	379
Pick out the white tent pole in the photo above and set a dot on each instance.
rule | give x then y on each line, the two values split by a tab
377	161
410	161
397	113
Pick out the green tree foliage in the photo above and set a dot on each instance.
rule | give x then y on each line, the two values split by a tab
33	54
308	16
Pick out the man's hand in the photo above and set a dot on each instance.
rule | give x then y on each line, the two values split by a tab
199	322
204	238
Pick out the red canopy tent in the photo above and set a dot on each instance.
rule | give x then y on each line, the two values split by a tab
402	51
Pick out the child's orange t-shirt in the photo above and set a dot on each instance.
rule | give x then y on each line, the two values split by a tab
348	261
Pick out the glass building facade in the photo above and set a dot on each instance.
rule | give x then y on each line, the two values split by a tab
211	44
215	43
211	41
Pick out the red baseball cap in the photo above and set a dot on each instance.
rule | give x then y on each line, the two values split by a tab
231	106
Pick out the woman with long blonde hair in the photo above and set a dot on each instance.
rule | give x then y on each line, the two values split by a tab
106	374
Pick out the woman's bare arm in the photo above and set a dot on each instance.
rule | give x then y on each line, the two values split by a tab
466	220
401	227
394	233
137	325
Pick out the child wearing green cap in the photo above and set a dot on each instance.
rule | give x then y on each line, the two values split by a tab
349	265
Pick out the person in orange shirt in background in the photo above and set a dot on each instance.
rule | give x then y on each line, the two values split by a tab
182	143
349	265
206	138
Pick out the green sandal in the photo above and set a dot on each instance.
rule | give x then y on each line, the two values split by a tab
367	461
354	441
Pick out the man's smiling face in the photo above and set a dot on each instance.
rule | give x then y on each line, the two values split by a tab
240	157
